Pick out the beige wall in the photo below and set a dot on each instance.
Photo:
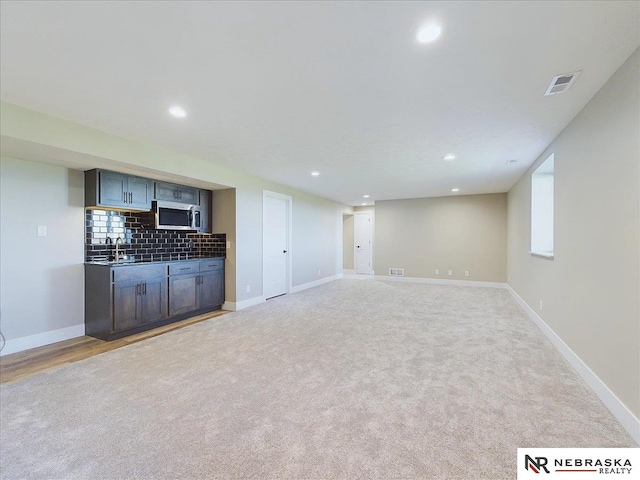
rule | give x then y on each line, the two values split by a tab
41	278
223	220
347	242
466	232
316	237
591	289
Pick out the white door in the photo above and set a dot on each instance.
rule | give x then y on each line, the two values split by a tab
362	240
275	245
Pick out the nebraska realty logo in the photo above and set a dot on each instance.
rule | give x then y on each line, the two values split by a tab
580	462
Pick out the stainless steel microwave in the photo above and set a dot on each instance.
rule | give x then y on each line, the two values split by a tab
176	216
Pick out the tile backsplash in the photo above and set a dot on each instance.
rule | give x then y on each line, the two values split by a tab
104	227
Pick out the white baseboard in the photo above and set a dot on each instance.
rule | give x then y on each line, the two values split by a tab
316	283
41	339
234	306
349	271
443	281
626	418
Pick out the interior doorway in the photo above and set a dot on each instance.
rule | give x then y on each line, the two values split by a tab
276	244
362	234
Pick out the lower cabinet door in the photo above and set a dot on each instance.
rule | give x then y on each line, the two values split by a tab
125	305
212	289
153	300
183	294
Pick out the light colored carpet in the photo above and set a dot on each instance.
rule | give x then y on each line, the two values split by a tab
354	379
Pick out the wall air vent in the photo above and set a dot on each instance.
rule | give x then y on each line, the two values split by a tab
396	272
561	83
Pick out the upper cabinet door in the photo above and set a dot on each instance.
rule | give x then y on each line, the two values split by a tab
176	193
205	211
140	192
117	190
188	195
112	189
166	191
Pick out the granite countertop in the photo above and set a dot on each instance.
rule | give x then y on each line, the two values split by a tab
134	261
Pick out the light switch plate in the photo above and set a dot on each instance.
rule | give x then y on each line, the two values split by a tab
42	230
228	244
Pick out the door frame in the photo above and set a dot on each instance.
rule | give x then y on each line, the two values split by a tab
355	248
289	201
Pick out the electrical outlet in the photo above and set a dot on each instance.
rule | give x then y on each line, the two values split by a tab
466	273
437	272
42	230
540	304
228	244
248	288
450	272
319	273
508	278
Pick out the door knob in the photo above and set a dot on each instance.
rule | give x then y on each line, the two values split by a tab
284	251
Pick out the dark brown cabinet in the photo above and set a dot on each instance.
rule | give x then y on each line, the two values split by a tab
176	193
211	289
205	211
135	304
125	305
111	189
139	296
196	286
212	282
184	296
122	300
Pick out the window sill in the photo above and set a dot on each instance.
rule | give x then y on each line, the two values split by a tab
543	254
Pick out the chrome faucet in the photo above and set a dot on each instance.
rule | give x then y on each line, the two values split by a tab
119	240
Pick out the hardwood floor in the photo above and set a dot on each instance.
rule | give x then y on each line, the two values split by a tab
17	366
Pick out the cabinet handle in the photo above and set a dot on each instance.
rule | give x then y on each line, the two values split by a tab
144	288
138	289
186	268
130	197
124	197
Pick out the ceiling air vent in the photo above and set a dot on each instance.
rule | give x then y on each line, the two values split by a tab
561	83
396	272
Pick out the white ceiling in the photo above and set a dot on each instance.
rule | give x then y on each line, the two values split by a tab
279	89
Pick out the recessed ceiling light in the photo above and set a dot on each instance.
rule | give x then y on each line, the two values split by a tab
315	174
455	189
449	156
363	204
177	111
365	196
428	33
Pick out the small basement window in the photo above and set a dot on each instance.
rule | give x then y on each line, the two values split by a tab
542	209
